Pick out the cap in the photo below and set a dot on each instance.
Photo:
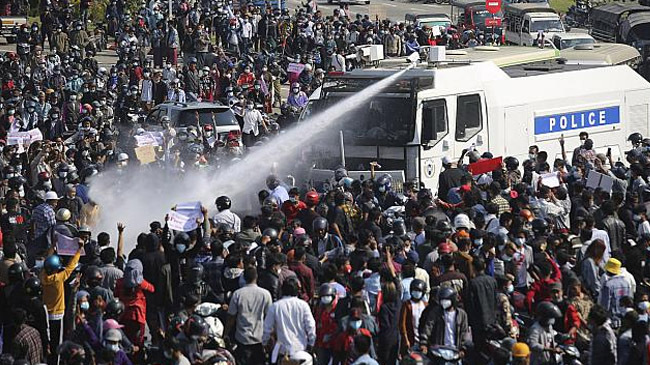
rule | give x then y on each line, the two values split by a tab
613	266
51	195
446	160
444	248
520	349
557	286
111	324
113	335
462	221
299	232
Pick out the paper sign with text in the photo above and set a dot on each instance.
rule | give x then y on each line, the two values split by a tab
145	154
67	246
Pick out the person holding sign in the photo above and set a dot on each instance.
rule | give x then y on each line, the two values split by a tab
53	276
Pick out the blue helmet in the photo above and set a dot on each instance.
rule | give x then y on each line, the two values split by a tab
386	181
52	264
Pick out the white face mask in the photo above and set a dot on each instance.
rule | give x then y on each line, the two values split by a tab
445	303
416	294
326	300
510	289
519	241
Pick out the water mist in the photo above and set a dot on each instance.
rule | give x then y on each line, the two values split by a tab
148	193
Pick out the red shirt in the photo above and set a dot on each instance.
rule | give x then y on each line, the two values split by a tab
134	301
291	210
326	327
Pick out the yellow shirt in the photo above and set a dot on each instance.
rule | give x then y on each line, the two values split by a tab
53	291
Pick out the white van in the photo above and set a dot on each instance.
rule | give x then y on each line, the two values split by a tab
526	21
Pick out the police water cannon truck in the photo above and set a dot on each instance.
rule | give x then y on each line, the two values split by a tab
431	113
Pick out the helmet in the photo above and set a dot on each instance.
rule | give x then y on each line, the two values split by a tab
195	273
319	223
272	233
52	264
272	182
462	221
63	215
43	176
635	138
295	85
223	202
346	182
443	226
114	309
418	285
8	172
16	273
302	358
33	287
17	182
520	349
386	181
547	310
340	173
447	293
271	201
182	238
527	215
196	326
540	226
122	157
311	198
326	290
511	163
93	275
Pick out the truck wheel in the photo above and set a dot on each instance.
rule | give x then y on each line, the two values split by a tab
11	39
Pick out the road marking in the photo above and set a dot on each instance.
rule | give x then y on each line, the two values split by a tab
391	5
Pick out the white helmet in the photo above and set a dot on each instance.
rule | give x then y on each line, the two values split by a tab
102	70
303	357
122	157
308	67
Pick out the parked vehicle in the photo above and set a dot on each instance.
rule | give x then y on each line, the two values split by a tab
526	23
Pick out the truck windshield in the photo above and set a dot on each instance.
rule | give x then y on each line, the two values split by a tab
384	120
435	23
547	25
218	116
481	15
568	43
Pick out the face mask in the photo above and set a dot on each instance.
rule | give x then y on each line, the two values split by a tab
416	294
643	317
249	107
326	300
295	91
445	303
382	189
531	156
113	347
478	241
39	264
355	325
31	110
84	306
510	289
519	241
551	322
506	258
147	74
637	218
181	248
12	112
47	185
55	116
63	174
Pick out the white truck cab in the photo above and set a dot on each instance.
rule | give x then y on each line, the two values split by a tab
526	22
432	113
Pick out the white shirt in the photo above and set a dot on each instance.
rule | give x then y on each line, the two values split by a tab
280	194
252	120
247	30
416	310
644	228
178	96
229	218
291	320
599	233
338	62
147	90
450	328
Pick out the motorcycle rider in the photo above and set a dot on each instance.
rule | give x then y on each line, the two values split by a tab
225	215
541	335
444	324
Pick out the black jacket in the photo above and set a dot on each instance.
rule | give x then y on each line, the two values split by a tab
482	301
271	282
432	327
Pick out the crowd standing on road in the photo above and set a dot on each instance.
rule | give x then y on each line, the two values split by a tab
499	268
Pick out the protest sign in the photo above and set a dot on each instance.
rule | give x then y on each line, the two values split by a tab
550	180
145	154
295	68
485	166
67	246
598	180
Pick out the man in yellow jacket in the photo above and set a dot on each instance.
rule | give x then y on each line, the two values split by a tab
53	278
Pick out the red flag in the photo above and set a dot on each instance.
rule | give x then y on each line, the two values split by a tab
483	166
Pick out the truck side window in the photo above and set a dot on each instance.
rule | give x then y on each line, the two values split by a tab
469	119
526	27
434	120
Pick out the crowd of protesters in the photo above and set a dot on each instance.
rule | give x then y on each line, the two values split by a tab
496	268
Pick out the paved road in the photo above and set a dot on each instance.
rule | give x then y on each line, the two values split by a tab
393	10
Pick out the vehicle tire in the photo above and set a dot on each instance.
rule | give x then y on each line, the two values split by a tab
11	39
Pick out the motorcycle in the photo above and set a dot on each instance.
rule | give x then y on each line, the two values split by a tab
214	350
444	355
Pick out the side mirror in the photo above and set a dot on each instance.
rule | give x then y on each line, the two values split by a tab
567	28
524	30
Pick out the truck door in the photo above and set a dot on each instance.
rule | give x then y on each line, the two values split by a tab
525	33
470	123
434	138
